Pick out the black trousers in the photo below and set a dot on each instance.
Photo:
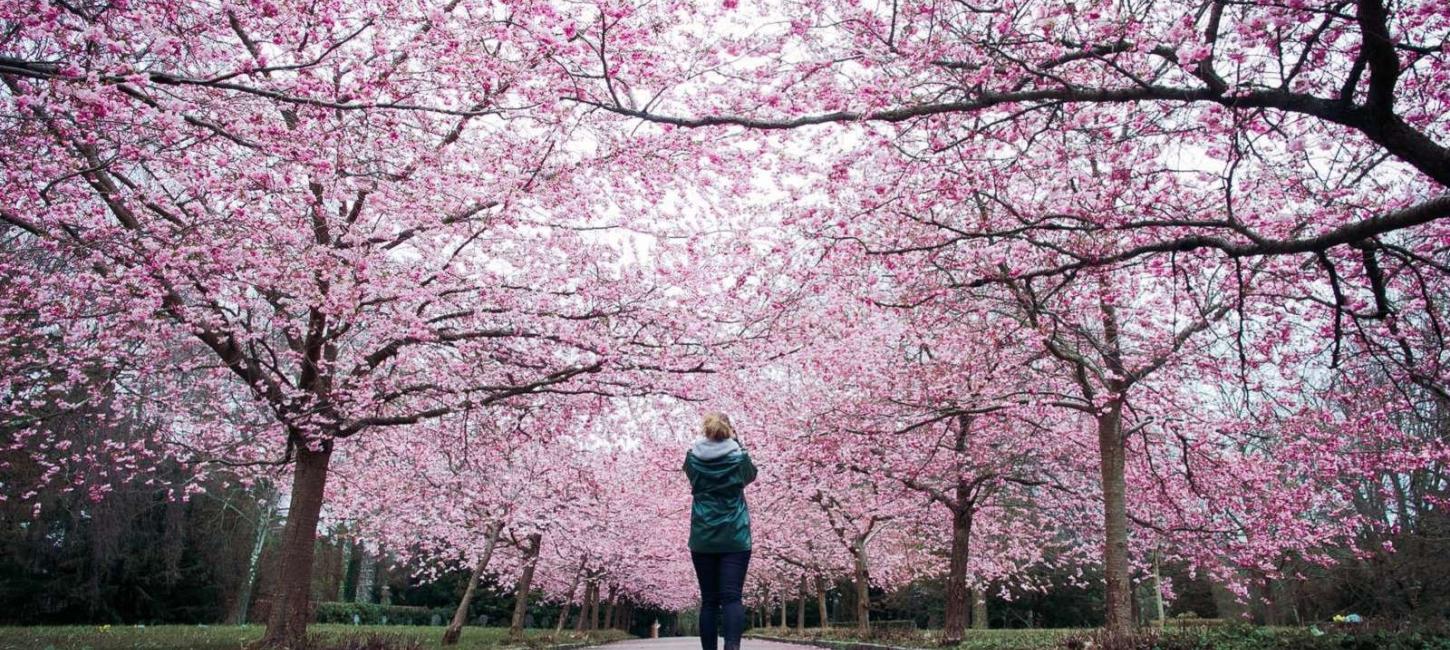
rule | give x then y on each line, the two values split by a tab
722	579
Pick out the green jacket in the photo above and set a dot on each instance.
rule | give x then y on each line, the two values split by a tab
719	519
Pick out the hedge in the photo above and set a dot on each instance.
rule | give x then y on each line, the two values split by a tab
1240	637
373	614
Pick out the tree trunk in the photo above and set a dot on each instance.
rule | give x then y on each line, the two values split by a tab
460	615
825	617
766	618
526	582
366	572
593	623
1137	606
584	604
784	617
1118	597
344	560
609	608
351	574
569	600
596	605
1158	614
979	608
957	593
1271	604
863	589
291	599
596	610
259	542
800	608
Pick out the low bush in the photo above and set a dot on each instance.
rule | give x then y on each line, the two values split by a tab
845	637
1194	621
369	642
372	614
1209	634
893	629
1386	636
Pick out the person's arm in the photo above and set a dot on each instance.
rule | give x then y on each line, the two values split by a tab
747	468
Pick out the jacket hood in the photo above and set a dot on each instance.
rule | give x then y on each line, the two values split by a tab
706	449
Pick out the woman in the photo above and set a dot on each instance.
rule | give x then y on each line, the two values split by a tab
719	469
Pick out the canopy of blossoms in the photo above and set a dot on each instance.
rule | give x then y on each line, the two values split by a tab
988	289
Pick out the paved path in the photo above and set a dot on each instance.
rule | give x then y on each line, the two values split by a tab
693	643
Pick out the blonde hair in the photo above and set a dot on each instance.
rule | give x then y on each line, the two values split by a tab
717	427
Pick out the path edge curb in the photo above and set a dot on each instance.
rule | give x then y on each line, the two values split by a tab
833	645
577	645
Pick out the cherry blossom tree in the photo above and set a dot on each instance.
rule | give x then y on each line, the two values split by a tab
346	242
951	267
499	477
1043	140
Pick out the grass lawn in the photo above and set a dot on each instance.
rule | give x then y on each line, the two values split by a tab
973	640
232	637
1197	637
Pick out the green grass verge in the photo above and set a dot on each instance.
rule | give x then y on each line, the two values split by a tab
1227	637
233	637
974	639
